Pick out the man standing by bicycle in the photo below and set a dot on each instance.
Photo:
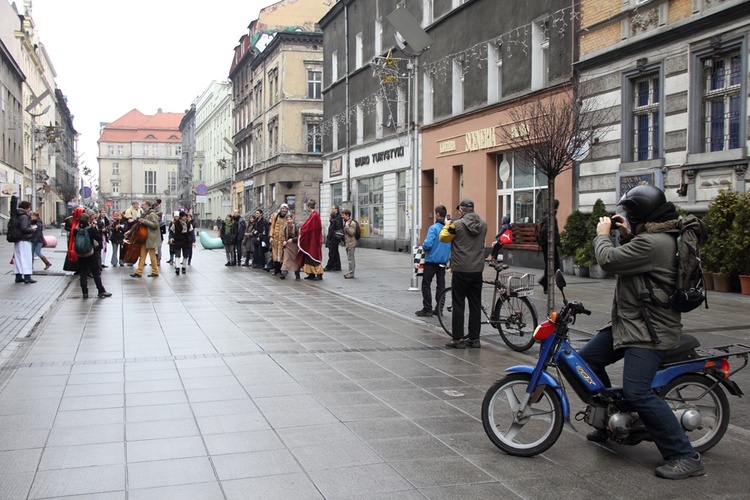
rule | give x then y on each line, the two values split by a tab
642	331
466	236
436	257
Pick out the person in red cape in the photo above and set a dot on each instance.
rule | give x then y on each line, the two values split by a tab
71	224
310	243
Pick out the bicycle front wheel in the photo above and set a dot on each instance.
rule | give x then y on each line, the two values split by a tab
515	318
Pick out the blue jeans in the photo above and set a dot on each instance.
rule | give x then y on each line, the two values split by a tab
639	370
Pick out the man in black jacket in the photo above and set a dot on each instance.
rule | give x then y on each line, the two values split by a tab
332	242
91	264
260	240
239	234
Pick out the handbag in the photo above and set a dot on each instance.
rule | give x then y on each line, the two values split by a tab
338	235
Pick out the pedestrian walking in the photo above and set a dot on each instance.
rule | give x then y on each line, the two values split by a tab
437	255
37	241
290	248
466	236
89	262
351	230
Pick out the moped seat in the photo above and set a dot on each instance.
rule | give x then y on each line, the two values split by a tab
684	350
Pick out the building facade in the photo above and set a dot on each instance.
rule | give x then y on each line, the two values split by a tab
674	75
465	86
213	166
139	156
186	189
277	90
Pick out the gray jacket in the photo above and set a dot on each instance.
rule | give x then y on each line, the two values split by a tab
466	236
651	252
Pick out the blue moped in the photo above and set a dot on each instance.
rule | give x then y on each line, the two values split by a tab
524	412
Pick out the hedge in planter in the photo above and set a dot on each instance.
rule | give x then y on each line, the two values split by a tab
739	244
599	210
717	252
574	236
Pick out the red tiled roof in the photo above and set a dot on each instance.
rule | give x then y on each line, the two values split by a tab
134	126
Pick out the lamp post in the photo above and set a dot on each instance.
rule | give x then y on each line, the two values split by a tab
413	41
33	155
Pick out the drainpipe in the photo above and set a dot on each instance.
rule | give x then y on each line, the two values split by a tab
346	109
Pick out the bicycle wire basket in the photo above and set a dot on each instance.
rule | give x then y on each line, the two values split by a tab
517	284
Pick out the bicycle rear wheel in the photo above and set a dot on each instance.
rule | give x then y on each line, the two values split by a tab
444	306
515	318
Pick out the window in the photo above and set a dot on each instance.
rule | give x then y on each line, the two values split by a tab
526	186
337	195
273	193
172	182
335	136
115	187
401	210
273	129
258	92
378	37
334	66
273	87
149	183
178	150
458	87
427	99
646	128
370	202
539	54
378	117
115	168
155	149
145	149
401	107
358	50
314	138
110	150
722	81
427	13
200	171
494	72
169	149
119	150
360	125
314	84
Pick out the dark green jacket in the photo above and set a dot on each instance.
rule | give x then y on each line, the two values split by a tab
651	252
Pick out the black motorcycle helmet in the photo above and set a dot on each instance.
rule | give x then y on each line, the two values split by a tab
640	202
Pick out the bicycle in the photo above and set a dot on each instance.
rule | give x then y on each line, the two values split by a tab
513	314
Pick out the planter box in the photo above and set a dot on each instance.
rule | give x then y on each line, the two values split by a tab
596	271
581	271
567	266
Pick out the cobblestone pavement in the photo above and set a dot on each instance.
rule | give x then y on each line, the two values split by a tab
231	383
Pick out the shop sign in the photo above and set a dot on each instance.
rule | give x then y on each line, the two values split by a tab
480	139
380	156
447	147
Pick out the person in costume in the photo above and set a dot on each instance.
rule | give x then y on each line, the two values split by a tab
310	244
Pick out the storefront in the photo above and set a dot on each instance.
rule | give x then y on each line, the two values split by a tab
379	181
468	158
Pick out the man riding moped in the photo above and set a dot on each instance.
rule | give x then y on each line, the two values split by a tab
642	331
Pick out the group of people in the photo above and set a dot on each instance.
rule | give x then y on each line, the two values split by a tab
281	246
647	237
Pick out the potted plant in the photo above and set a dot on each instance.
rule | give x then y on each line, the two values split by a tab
574	236
581	261
717	252
739	237
599	210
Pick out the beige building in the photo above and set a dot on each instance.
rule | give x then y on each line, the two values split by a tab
138	159
277	82
213	163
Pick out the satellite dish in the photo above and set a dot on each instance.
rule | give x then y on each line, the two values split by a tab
410	37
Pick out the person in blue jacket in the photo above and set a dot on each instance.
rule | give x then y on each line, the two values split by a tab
437	255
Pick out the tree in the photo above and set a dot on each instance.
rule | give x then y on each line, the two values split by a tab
552	131
64	185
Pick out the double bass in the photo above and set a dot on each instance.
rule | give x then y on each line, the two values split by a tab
135	237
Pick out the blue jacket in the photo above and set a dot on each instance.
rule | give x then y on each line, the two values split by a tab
436	251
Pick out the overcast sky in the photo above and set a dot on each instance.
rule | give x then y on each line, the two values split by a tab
111	57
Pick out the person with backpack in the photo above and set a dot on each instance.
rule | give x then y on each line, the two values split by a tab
351	235
642	331
21	232
88	240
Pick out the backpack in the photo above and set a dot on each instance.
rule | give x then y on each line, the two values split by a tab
83	246
690	291
357	232
14	225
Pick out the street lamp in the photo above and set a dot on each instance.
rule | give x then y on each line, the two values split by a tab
413	41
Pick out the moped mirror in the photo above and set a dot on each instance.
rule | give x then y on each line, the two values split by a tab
560	282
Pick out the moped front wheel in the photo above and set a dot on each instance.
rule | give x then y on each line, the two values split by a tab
701	407
526	432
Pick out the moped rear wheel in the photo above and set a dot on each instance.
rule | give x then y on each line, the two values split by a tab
521	433
701	407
